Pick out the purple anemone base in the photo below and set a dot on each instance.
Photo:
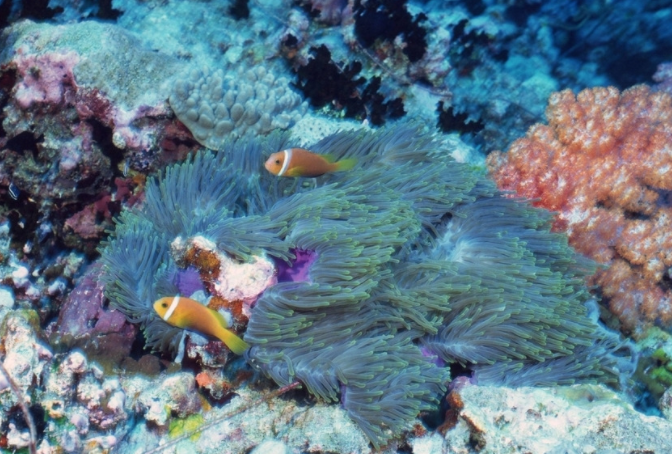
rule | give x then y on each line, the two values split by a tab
299	269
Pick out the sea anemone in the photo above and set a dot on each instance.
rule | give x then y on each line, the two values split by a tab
407	257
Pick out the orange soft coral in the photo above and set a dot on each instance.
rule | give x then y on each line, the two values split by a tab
604	163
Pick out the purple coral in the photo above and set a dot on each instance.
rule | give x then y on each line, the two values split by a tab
85	321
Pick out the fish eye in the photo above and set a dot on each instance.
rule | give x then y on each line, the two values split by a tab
164	305
277	161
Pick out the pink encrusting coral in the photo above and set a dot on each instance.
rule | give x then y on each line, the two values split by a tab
604	164
46	82
89	103
80	88
44	79
235	286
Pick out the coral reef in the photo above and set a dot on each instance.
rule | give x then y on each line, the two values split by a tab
584	418
384	20
601	33
403	259
76	110
663	76
85	322
26	357
326	11
175	397
299	427
84	409
324	82
82	109
653	376
30	283
218	106
373	288
603	164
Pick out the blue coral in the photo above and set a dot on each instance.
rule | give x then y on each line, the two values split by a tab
415	256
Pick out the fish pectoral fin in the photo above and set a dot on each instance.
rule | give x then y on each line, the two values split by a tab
296	171
235	343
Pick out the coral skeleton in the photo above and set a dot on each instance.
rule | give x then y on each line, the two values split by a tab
405	263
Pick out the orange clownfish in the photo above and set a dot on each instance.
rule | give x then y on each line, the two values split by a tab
190	314
299	162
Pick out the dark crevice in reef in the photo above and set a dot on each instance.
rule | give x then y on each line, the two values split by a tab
107	12
7	81
520	13
38	9
323	82
385	20
5	9
240	9
16	417
378	108
25	141
470	47
632	69
24	217
666	281
102	134
451	121
139	347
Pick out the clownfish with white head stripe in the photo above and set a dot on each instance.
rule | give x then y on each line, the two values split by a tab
299	162
190	314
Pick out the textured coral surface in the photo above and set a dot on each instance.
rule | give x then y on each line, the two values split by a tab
217	107
577	419
604	164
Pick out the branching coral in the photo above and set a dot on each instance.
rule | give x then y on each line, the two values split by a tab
407	257
604	164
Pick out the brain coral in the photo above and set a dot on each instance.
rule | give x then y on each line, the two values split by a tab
411	256
216	107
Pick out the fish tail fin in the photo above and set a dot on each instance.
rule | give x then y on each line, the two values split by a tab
345	164
235	343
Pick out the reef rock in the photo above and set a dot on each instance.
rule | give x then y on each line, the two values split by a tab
587	419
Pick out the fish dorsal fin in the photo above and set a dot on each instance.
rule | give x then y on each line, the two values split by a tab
329	158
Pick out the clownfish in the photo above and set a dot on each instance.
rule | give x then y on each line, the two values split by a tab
299	162
190	314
